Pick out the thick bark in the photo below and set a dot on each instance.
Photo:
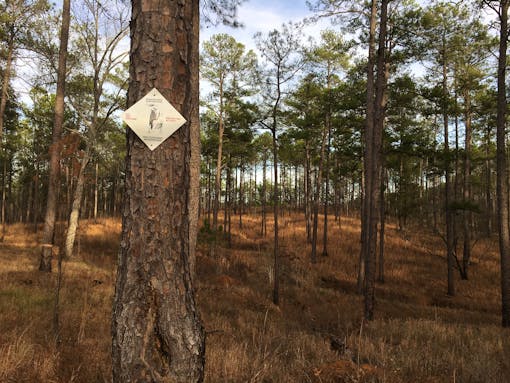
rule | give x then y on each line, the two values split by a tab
157	333
54	166
502	179
194	125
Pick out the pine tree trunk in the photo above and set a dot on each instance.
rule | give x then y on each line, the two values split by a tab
96	190
54	167
366	213
241	197
35	209
372	184
4	199
382	228
467	186
502	179
326	197
276	199
217	183
308	195
263	228
450	229
157	333
488	185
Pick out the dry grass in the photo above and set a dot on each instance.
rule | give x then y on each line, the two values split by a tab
315	335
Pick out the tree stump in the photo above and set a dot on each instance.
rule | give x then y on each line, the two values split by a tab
46	257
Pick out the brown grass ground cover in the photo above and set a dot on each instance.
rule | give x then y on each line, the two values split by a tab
315	335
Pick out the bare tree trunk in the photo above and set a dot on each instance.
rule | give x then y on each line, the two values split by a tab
276	199
54	167
366	212
488	185
96	190
372	170
157	332
35	217
4	199
74	216
317	194
264	221
308	195
450	228
241	197
326	197
382	228
217	183
467	188
502	179
228	208
209	191
29	204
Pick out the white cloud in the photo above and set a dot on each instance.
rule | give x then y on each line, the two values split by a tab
264	16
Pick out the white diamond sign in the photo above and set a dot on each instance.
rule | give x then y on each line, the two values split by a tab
153	119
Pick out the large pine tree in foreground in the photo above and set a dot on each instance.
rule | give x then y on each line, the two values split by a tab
157	333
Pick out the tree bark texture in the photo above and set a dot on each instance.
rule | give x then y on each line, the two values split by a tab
157	332
58	123
502	179
367	151
373	183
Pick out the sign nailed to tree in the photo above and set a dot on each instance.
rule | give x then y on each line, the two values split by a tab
153	119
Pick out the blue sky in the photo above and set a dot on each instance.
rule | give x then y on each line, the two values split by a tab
266	15
255	15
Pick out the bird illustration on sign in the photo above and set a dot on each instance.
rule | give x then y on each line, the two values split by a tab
153	119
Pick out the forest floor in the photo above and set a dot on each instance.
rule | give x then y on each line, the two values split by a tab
316	334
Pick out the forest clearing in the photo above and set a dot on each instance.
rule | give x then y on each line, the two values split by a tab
309	191
316	334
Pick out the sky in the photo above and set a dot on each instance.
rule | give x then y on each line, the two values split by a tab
255	15
264	16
